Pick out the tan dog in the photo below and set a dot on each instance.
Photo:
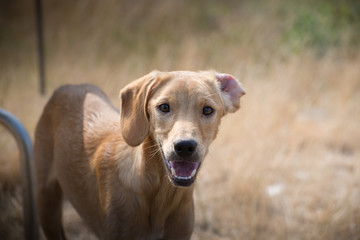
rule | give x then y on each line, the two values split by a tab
115	169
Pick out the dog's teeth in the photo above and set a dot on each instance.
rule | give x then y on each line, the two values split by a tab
186	178
173	174
193	173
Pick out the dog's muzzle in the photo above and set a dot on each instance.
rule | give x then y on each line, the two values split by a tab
183	163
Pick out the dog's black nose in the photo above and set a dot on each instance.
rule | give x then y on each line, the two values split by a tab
185	148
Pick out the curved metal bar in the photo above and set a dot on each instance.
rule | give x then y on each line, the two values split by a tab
27	172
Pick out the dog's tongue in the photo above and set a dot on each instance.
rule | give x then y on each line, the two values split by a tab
184	169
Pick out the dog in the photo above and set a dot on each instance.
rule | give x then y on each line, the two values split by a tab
130	173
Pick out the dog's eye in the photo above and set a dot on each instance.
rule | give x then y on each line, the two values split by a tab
208	111
164	108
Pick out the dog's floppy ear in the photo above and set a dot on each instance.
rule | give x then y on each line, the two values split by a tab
134	122
231	91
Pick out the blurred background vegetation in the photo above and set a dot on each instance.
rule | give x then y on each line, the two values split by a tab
289	164
138	36
137	32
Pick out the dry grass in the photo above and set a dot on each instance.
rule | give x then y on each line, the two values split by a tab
285	167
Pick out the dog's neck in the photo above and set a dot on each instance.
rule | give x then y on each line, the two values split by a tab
161	196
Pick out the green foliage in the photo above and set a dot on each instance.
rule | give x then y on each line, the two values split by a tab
323	24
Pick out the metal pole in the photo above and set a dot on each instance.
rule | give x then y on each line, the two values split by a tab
40	45
27	172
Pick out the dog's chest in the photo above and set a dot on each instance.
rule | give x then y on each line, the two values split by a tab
157	234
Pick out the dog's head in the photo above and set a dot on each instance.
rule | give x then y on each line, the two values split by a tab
182	112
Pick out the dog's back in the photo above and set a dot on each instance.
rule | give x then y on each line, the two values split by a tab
73	119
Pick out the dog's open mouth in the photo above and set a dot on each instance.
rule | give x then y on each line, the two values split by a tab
182	173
